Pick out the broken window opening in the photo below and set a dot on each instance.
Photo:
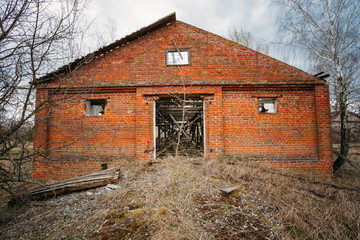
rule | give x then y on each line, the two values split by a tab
95	107
169	125
267	105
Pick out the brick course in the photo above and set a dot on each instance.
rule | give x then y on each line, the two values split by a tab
228	76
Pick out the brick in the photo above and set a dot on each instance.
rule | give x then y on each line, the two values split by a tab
297	138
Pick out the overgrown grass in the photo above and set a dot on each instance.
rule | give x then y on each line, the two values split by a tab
181	199
269	204
303	207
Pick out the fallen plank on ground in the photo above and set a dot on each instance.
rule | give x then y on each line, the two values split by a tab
92	180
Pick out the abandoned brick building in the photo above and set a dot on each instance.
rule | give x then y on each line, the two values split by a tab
125	101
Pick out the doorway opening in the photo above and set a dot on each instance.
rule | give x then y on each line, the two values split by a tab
179	126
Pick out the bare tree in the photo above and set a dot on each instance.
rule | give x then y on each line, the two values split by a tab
34	37
248	40
328	33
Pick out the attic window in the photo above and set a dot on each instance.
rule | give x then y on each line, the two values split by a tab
173	58
95	107
267	105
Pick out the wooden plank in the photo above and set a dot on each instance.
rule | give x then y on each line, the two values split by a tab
347	160
229	190
98	176
92	180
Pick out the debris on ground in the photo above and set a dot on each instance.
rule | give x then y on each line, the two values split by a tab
101	178
176	199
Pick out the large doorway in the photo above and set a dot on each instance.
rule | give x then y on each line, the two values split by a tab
179	126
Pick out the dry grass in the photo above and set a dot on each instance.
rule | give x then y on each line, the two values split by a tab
180	199
303	207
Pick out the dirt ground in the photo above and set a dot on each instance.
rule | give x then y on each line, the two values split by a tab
181	199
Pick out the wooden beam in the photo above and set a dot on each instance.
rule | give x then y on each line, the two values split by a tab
92	180
182	130
347	160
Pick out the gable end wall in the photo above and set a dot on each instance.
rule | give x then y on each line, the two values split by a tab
297	138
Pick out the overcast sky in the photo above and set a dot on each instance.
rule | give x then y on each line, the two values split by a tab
217	16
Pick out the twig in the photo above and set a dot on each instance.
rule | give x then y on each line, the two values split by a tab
7	228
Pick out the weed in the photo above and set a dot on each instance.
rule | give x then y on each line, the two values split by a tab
177	199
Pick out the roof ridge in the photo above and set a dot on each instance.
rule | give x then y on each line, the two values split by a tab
108	48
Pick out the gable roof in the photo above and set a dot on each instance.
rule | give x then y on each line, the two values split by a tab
118	43
262	69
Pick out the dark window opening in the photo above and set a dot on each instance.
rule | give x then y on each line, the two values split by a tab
172	126
104	166
95	107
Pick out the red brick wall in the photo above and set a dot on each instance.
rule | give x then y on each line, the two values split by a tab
290	131
110	134
228	75
214	60
323	121
286	136
295	138
81	143
288	139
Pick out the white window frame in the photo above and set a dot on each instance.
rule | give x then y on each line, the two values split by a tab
172	57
